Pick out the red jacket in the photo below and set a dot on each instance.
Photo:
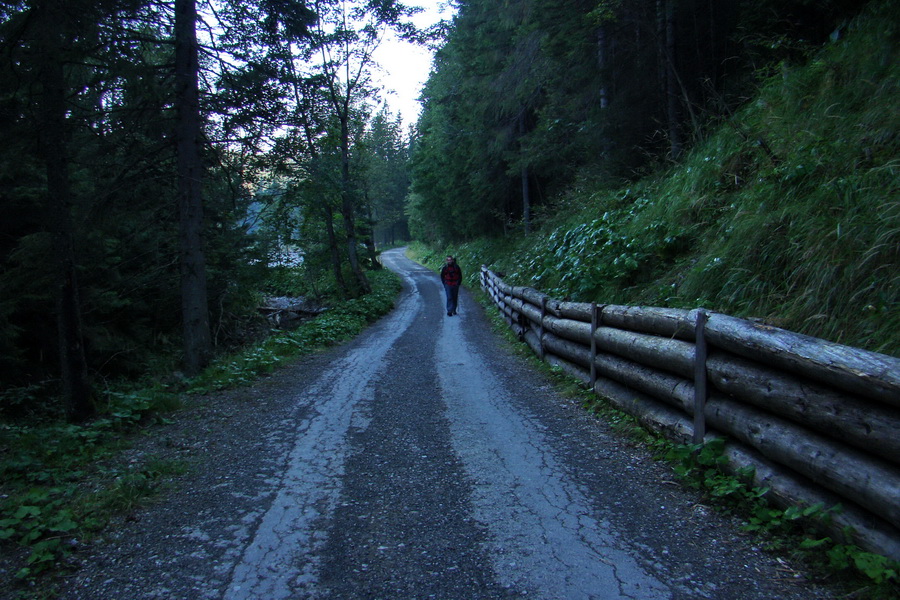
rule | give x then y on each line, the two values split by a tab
451	274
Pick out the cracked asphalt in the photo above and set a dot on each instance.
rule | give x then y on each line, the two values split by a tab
422	460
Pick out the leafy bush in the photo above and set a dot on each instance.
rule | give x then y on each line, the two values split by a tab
339	323
43	505
792	528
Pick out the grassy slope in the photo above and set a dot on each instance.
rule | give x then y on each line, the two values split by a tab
789	212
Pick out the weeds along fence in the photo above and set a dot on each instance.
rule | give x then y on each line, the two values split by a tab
814	422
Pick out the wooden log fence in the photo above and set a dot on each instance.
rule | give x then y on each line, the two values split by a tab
814	422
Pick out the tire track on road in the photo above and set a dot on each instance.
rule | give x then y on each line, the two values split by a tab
284	553
545	540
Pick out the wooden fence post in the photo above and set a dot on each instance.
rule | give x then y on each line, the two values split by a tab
594	322
700	378
541	329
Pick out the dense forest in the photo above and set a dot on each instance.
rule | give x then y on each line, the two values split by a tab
530	96
165	162
167	165
160	162
739	156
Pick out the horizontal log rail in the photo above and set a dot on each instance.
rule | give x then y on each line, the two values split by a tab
816	422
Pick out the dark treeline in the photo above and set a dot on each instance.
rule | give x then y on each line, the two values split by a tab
158	156
529	97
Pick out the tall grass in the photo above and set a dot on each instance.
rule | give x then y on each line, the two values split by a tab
789	213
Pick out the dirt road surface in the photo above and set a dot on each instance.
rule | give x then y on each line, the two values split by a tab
421	460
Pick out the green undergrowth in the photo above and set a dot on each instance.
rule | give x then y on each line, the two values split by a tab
789	212
339	323
794	531
60	483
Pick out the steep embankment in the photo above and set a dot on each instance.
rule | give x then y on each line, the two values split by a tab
788	212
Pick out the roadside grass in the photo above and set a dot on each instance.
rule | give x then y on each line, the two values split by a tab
57	486
341	322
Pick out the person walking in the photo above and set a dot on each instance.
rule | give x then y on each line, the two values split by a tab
451	277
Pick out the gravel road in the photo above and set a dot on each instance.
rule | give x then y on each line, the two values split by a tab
421	460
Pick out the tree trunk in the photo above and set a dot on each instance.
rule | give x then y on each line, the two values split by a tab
526	190
601	65
602	51
348	208
76	389
369	234
668	77
195	311
334	248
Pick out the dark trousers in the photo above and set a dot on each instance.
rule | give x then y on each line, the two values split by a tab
452	297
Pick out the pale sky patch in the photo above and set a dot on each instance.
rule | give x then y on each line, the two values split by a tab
405	66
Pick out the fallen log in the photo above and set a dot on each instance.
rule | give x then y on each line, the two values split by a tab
666	322
852	524
857	371
284	311
676	356
864	479
870	426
